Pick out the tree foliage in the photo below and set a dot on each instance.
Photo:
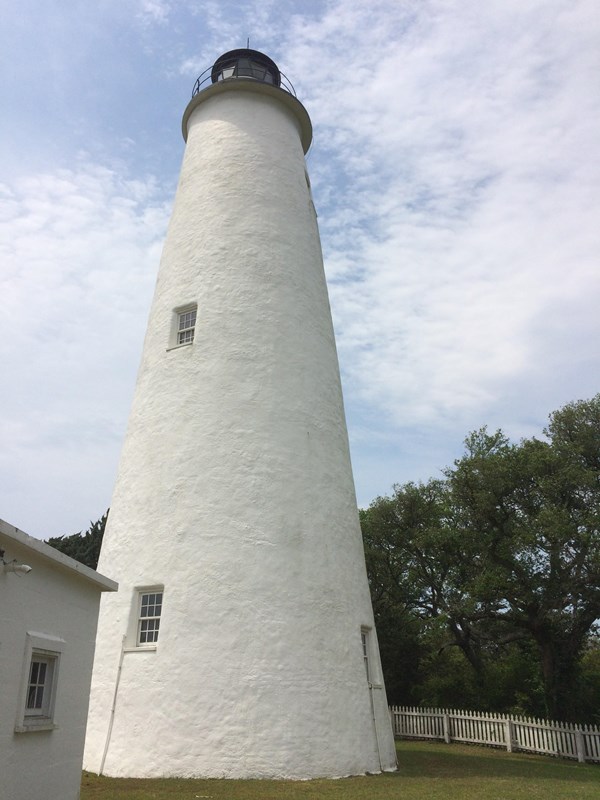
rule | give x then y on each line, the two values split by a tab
500	561
83	547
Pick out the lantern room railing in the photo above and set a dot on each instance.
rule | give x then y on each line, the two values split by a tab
242	68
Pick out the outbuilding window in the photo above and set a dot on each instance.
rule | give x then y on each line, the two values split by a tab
39	683
39	688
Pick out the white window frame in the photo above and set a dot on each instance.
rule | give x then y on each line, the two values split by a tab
38	700
183	336
42	649
366	651
186	326
142	618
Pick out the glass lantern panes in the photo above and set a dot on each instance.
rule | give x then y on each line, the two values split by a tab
246	68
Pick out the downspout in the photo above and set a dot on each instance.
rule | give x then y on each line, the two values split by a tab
114	706
377	742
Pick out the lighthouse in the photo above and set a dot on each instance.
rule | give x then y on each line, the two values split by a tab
241	643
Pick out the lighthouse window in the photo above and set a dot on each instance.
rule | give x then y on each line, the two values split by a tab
149	618
186	325
364	636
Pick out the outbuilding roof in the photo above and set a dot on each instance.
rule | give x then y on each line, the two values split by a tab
59	559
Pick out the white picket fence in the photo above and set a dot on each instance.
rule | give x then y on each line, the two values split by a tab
581	742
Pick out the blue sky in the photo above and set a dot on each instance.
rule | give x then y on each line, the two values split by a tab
456	174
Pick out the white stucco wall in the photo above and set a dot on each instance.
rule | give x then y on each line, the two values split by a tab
58	601
235	488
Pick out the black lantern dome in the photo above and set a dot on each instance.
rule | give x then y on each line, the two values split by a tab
246	63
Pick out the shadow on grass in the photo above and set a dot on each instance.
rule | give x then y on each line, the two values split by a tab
435	760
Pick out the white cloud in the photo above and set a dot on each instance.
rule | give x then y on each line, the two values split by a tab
156	11
456	173
79	250
464	237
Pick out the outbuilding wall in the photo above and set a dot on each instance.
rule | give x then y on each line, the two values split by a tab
56	602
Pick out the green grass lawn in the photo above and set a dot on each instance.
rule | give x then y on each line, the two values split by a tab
427	771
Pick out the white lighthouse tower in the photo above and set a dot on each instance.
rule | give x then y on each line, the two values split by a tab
241	642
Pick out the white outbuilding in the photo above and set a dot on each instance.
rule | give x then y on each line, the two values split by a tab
48	617
241	643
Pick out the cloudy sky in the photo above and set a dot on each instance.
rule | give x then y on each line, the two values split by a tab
456	173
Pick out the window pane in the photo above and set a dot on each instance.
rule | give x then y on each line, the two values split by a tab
258	71
31	697
244	67
186	336
187	320
40	675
